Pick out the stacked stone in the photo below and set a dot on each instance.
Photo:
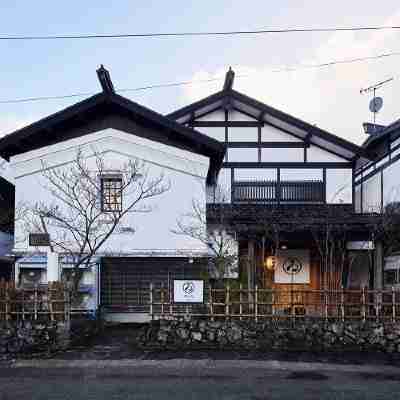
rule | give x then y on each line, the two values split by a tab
26	337
302	335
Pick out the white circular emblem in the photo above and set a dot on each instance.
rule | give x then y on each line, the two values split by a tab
188	287
292	266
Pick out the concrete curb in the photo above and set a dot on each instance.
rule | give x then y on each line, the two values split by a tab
185	364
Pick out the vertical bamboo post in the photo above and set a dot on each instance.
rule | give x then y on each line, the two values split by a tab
342	304
66	304
273	298
151	300
210	300
256	303
162	298
170	297
393	305
7	301
50	300
23	305
240	301
363	303
35	300
227	299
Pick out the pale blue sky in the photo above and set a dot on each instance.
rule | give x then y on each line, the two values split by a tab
327	97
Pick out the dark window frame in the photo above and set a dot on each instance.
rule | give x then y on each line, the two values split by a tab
111	192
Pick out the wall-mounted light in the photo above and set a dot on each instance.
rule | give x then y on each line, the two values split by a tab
269	263
284	247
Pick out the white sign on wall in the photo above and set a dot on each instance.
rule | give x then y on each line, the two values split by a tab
188	291
292	266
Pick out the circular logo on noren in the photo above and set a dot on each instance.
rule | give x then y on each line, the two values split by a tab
292	266
188	288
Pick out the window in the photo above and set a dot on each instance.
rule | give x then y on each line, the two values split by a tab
111	193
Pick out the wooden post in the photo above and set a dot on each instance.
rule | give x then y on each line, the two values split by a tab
35	299
342	304
151	300
326	303
393	305
23	305
170	297
162	298
227	299
7	301
50	299
240	301
363	303
211	302
256	303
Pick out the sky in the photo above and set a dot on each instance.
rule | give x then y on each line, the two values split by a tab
328	97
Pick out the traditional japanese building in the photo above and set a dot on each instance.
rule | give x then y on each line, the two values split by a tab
287	191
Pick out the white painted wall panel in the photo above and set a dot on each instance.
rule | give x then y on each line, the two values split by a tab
242	134
282	155
213	116
315	154
242	155
301	174
255	174
215	133
272	134
238	116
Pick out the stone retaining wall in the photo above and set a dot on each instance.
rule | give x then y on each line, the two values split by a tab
27	337
302	336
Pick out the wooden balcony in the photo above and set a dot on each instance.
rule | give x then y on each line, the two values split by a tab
290	192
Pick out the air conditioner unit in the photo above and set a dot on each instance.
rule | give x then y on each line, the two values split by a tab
31	277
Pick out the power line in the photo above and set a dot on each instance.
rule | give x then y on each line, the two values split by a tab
209	33
187	83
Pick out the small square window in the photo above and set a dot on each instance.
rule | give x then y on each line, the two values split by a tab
111	193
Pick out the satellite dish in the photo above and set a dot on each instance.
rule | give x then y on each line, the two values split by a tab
375	104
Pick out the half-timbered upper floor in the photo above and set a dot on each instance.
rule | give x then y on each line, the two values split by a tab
377	179
272	157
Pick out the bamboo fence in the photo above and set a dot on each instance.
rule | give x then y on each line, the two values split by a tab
37	303
290	304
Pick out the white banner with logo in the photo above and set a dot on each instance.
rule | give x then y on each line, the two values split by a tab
292	266
188	291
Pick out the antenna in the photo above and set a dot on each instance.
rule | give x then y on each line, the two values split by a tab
377	102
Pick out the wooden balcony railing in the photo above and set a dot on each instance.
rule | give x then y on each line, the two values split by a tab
278	192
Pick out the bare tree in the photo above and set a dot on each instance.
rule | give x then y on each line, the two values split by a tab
222	244
74	216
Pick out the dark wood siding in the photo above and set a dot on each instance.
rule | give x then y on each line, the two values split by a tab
125	282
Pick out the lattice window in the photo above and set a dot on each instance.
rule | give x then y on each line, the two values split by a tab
111	193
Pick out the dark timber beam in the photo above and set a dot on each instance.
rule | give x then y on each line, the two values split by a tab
230	124
289	165
271	145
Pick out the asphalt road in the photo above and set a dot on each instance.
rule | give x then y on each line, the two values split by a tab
185	379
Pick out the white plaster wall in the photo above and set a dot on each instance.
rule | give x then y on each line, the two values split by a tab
238	116
184	171
272	134
315	154
279	155
242	134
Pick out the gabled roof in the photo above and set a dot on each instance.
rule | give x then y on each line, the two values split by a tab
229	97
373	140
57	128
